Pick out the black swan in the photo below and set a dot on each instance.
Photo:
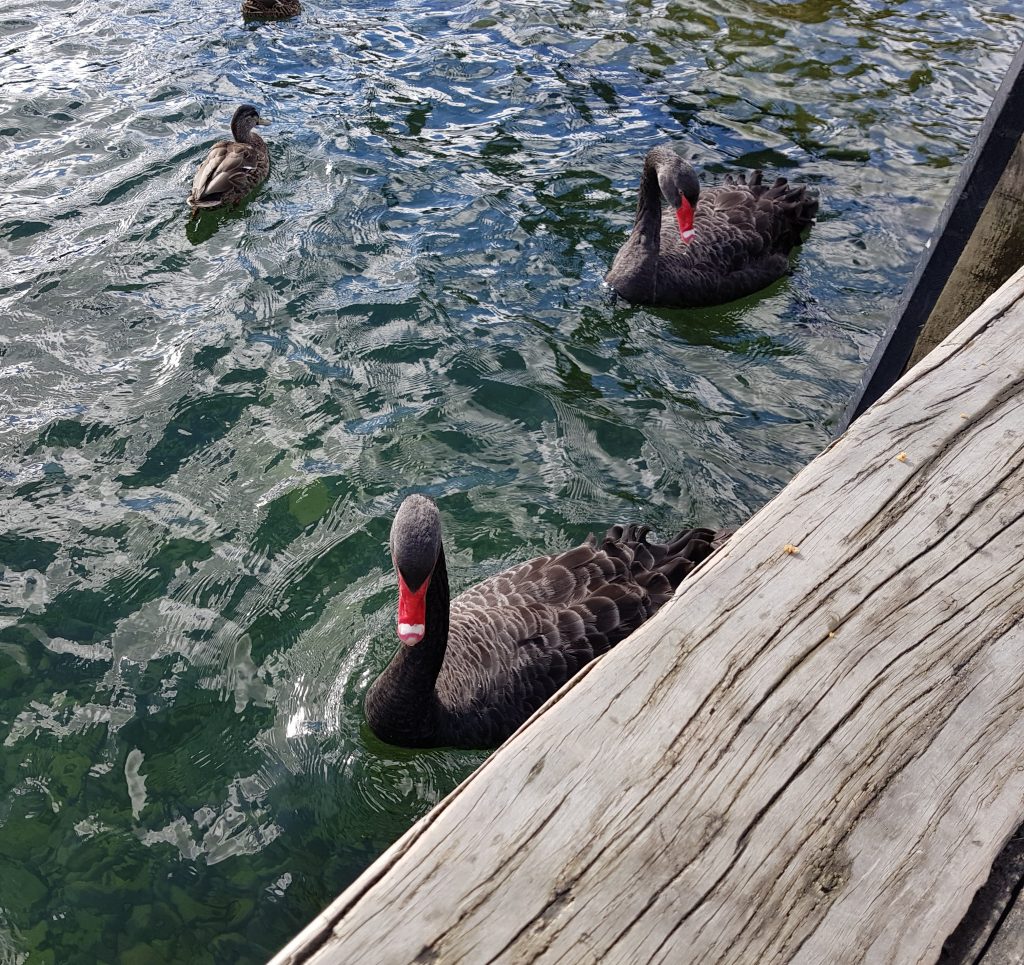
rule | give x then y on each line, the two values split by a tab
232	168
468	672
726	242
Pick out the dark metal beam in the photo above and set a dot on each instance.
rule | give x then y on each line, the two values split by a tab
988	157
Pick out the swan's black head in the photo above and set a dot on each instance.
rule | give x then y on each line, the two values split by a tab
415	548
678	184
676	178
244	120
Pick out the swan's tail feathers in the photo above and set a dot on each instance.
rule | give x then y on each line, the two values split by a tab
688	550
796	208
658	586
720	537
754	181
689	541
676	570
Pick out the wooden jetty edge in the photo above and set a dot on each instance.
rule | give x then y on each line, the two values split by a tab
808	756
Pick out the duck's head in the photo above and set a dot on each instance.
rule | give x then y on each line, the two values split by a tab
415	549
244	120
679	186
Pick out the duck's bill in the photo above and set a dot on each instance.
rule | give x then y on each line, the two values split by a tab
263	122
684	216
412	612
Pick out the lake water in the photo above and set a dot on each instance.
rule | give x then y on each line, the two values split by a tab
205	431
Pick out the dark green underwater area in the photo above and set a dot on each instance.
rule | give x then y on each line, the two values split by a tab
206	428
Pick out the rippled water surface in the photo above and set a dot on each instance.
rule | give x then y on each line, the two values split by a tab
205	430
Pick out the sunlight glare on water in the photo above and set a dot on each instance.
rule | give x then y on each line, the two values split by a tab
205	430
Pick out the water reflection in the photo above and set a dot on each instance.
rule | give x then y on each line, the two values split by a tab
206	428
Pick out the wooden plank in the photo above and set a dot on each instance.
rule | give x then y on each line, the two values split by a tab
810	757
984	165
1007	947
992	931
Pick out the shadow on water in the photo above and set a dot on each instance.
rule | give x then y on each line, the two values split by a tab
206	223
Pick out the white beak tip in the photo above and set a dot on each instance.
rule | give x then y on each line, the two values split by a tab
410	633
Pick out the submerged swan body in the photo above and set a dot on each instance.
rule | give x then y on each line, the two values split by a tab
724	242
469	671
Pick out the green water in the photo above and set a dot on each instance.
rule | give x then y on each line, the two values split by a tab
204	433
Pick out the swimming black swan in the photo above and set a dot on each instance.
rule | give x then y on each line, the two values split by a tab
468	673
726	241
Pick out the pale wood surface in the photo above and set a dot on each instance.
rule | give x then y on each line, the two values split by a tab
810	757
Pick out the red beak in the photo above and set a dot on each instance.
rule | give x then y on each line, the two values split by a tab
684	215
412	612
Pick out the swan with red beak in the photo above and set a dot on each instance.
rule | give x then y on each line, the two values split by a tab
415	548
469	671
727	241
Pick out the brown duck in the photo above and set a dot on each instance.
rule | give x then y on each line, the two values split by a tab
270	9
232	168
468	672
724	242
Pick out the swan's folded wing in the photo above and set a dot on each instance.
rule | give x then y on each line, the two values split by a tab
517	637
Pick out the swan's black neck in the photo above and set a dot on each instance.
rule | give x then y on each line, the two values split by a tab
647	226
634	273
402	706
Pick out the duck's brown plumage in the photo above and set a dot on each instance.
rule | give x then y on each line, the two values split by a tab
232	168
505	645
743	233
270	9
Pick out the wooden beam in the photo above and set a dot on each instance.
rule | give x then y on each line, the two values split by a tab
992	932
810	756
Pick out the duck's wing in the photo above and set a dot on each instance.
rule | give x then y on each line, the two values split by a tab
515	638
271	9
230	170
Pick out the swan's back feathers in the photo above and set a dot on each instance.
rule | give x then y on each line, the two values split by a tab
517	637
271	9
744	231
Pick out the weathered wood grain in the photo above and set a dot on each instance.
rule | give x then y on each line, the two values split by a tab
809	757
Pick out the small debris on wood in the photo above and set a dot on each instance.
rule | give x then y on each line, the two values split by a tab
902	457
790	549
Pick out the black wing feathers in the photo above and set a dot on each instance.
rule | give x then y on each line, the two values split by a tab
516	638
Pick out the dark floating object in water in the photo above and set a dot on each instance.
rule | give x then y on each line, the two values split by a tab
232	168
726	242
469	672
270	9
